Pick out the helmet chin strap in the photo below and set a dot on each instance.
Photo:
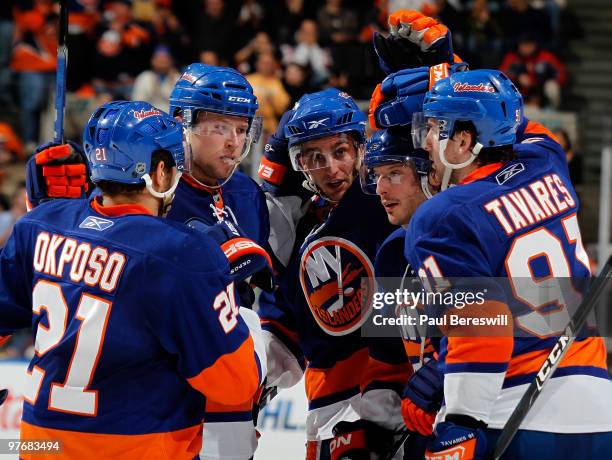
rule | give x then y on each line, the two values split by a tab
449	167
425	187
167	197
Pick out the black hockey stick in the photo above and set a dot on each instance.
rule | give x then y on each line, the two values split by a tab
397	445
552	361
3	396
60	77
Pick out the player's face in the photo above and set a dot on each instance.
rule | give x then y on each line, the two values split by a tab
217	144
400	191
331	163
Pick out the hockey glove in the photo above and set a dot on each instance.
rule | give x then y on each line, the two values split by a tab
415	40
461	437
246	258
56	171
357	440
422	398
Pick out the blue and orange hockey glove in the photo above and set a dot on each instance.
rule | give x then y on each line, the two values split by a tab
459	437
56	171
247	259
422	398
415	40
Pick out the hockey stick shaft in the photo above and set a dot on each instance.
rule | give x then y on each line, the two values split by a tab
552	361
60	76
398	444
3	396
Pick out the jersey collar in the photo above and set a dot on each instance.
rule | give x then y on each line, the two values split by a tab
117	210
481	173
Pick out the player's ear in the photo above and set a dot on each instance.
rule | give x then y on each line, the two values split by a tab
161	177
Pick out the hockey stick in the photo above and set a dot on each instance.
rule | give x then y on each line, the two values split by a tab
397	445
3	396
60	76
552	361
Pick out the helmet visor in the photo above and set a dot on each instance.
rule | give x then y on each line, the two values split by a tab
391	171
322	153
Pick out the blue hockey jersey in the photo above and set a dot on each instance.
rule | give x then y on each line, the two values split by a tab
320	310
516	221
135	323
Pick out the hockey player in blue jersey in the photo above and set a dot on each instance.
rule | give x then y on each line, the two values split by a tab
510	207
125	354
217	107
317	310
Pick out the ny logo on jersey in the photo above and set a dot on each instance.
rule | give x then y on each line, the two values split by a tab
508	173
314	124
96	223
338	282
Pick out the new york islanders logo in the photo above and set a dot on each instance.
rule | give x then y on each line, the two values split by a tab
337	279
146	113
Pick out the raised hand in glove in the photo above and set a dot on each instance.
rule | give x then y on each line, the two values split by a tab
422	398
459	437
56	171
415	40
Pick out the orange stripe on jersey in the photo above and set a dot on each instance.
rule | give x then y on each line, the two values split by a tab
413	349
270	171
533	127
384	372
465	343
183	444
232	379
344	375
4	339
481	173
588	352
212	406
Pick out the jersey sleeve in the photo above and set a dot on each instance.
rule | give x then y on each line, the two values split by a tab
474	360
15	304
200	324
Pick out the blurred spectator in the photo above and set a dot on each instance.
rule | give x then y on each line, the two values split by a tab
337	25
11	148
296	81
6	42
538	73
574	159
209	57
122	51
308	52
215	30
170	32
250	18
155	85
83	20
518	18
483	37
8	218
285	19
394	5
267	86
34	60
246	57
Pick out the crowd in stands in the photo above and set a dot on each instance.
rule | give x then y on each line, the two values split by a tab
136	49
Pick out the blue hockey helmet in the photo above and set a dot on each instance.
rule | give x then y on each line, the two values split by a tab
321	114
121	136
387	146
212	89
485	97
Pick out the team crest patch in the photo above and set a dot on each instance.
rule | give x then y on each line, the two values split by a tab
508	173
96	223
337	279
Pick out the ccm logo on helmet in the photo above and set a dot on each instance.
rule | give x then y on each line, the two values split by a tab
238	99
